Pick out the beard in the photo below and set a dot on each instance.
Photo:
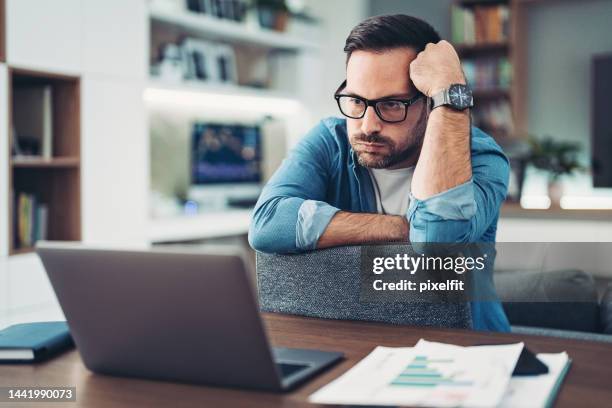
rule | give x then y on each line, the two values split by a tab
394	155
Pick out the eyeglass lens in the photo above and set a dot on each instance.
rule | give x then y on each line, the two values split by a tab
391	111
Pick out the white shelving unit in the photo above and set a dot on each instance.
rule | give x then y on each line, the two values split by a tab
202	93
71	38
189	228
224	89
285	101
45	35
201	25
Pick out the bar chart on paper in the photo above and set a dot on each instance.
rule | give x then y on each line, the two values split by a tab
430	372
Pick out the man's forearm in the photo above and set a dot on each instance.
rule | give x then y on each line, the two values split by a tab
445	160
347	228
445	156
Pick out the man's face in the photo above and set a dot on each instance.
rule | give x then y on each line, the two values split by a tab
379	144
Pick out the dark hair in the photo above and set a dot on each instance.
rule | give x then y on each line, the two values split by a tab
381	33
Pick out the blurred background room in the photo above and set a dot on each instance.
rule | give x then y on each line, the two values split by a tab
139	123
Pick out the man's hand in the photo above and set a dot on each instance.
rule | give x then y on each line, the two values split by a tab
435	68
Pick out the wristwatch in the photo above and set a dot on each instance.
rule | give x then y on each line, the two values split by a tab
457	96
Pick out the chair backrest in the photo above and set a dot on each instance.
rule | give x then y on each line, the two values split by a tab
326	283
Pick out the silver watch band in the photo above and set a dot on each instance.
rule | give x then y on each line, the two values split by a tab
439	99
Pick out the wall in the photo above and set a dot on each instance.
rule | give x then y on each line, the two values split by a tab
436	13
115	149
563	37
337	18
563	53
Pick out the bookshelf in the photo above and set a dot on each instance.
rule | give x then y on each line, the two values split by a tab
53	163
202	25
487	37
272	72
254	56
53	181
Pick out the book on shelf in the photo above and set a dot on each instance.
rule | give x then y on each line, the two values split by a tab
33	121
224	9
31	220
209	61
504	73
488	73
480	24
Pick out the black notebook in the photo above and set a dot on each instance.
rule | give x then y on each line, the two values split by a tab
31	342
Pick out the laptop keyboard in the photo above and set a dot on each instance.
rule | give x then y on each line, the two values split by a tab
289	369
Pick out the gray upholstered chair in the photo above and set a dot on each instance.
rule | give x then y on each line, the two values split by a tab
326	284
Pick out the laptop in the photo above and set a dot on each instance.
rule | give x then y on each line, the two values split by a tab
169	315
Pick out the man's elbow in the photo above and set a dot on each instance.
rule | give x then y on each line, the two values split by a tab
260	241
268	238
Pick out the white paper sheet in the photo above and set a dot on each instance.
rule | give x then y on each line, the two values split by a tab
429	374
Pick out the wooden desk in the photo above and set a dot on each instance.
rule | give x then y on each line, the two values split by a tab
588	383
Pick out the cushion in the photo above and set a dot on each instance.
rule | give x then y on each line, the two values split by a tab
563	299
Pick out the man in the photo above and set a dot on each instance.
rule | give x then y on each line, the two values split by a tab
405	165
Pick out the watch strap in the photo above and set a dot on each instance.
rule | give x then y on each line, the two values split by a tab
439	99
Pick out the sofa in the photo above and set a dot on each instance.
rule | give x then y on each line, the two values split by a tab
561	303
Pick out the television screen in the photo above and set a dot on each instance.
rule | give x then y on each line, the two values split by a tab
601	146
225	154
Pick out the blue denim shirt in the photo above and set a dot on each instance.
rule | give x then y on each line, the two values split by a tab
321	176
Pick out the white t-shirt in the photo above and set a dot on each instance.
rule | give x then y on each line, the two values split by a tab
393	189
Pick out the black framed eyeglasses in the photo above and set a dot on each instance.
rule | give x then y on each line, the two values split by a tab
390	110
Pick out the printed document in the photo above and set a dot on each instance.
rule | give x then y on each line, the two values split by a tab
429	374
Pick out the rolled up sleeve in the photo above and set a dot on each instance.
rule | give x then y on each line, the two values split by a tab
313	218
464	212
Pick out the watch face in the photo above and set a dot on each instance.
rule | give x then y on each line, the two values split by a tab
460	96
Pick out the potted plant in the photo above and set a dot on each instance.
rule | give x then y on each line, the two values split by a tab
273	14
558	158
